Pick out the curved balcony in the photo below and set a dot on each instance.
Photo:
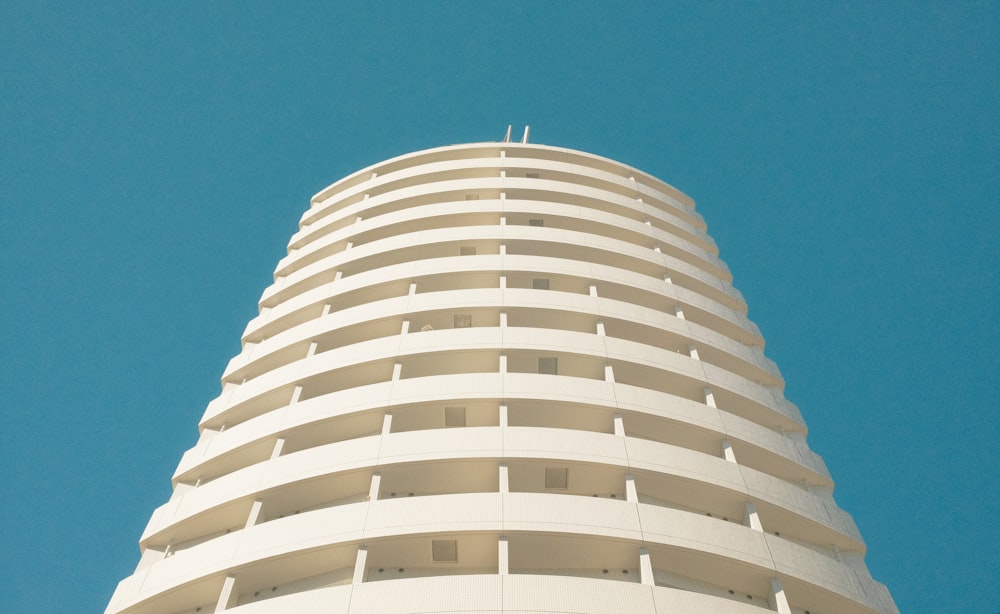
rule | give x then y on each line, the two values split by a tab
455	214
560	310
478	349
421	169
473	271
234	492
671	535
553	244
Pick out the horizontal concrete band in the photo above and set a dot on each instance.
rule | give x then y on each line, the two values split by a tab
762	403
446	242
309	303
501	444
500	595
453	196
358	229
422	167
259	357
454	390
511	515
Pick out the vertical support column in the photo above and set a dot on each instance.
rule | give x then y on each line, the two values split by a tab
387	423
229	388
228	596
751	519
326	310
374	487
503	249
631	494
359	565
296	393
593	290
413	288
279	445
397	368
503	319
710	398
778	598
646	567
503	558
405	328
727	451
619	426
248	349
600	328
504	479
503	364
503	415
254	515
693	352
609	374
678	312
312	349
338	275
503	282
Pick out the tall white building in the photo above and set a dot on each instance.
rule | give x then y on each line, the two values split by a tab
501	377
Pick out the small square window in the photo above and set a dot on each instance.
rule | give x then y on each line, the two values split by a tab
454	416
536	222
540	284
557	478
467	251
444	550
463	320
548	365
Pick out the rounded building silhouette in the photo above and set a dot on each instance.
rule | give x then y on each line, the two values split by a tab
501	377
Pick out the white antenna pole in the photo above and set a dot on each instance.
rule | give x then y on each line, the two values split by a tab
506	138
527	129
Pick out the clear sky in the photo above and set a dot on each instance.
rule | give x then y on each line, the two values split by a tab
155	159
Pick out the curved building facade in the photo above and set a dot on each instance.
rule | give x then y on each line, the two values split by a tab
501	377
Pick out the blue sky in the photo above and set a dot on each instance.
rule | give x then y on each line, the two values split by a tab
154	160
